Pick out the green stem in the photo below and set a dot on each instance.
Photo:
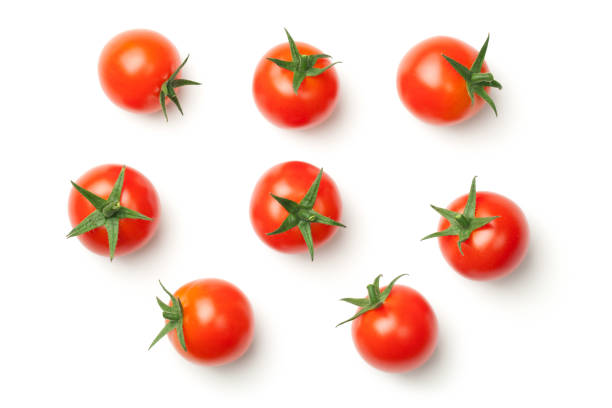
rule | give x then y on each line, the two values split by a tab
306	215
481	77
373	294
462	220
171	315
111	208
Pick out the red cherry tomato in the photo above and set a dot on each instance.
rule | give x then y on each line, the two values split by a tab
292	180
134	65
431	88
139	71
494	250
395	328
138	194
217	322
275	97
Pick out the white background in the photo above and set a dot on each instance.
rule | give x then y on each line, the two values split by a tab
76	327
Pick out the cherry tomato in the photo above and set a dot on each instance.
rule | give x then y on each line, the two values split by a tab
433	90
136	66
284	106
216	321
395	328
292	180
491	250
137	195
494	250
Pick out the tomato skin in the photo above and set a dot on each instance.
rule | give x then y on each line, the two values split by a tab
398	336
217	322
292	180
133	66
494	250
431	88
138	194
274	96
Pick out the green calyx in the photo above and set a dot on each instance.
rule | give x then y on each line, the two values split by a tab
302	66
167	89
107	213
463	224
174	314
474	79
302	215
374	300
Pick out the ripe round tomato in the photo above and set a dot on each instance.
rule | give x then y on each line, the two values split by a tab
275	97
217	322
494	250
431	88
138	194
134	65
292	180
395	328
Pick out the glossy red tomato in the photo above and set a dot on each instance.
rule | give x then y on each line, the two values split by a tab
292	180
138	194
400	334
275	96
217	322
494	250
431	88
134	65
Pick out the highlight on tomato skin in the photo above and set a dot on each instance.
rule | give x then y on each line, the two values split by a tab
208	321
436	76
289	103
132	216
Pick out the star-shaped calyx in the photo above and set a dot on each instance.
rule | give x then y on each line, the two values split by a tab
374	300
474	79
174	314
462	224
167	89
107	213
302	215
302	66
